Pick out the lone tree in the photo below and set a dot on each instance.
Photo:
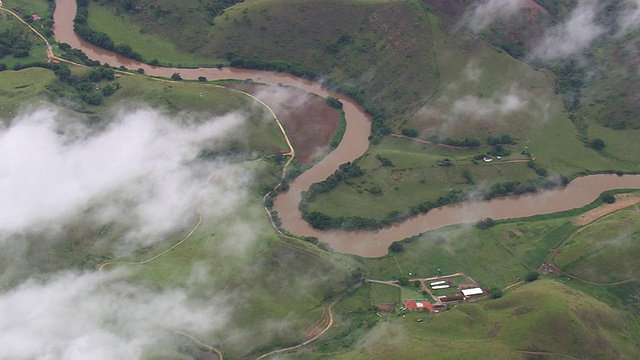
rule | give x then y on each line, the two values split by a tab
176	76
597	144
334	102
532	276
485	223
608	198
396	247
495	293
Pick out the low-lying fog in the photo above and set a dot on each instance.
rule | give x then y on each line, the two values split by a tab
142	170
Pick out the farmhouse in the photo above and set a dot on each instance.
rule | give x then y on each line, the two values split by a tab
35	17
413	305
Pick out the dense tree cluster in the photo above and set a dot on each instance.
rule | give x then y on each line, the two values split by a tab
14	41
238	61
500	140
334	102
410	132
467	142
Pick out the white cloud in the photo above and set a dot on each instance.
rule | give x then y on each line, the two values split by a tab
485	13
629	19
70	317
572	36
482	107
142	169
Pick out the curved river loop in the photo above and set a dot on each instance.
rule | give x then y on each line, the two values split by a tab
578	193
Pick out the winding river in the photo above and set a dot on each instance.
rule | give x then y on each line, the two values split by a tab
578	193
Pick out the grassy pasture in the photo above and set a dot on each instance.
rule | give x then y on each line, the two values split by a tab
454	249
384	294
21	88
605	251
122	29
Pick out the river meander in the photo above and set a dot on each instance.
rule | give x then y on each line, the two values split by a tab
578	193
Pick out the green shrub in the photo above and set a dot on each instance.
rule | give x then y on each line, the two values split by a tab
532	276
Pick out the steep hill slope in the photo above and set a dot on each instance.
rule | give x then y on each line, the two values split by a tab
544	318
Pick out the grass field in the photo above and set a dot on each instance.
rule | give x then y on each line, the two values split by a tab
124	30
605	251
22	88
384	294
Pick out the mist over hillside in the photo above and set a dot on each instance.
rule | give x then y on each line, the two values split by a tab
147	225
125	187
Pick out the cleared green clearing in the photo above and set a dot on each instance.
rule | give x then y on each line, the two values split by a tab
22	88
122	29
384	294
606	251
542	316
410	292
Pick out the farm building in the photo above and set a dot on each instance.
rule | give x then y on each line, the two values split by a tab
414	305
445	299
438	287
440	282
472	291
35	17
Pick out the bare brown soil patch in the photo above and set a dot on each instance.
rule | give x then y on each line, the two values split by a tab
309	122
510	234
317	327
622	201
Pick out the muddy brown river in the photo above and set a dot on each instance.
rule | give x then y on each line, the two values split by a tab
578	193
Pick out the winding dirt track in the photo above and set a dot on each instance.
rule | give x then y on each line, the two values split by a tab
264	356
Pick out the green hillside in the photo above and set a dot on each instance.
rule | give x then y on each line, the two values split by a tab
542	319
443	98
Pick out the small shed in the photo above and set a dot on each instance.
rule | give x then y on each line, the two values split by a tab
35	17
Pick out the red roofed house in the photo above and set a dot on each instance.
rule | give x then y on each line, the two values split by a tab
413	305
35	17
